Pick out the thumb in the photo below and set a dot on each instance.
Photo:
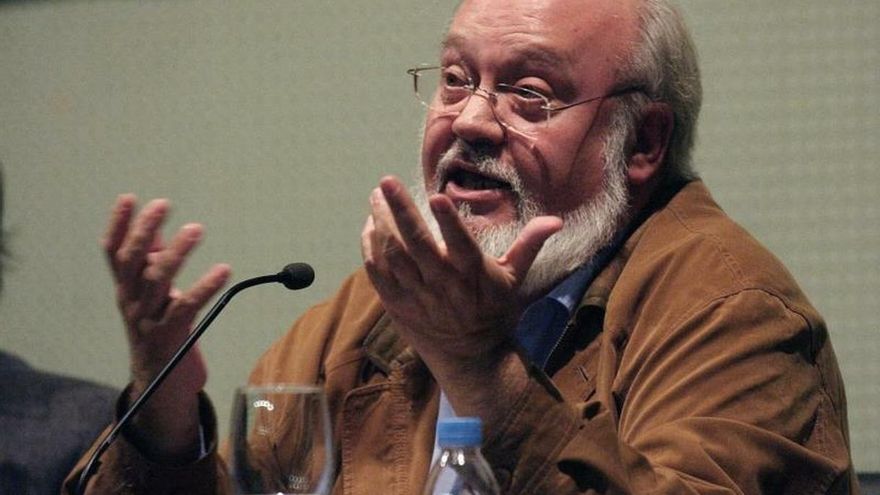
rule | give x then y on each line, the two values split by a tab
525	248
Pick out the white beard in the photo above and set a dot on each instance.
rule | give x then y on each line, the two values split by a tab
586	229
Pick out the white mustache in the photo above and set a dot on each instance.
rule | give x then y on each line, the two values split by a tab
481	161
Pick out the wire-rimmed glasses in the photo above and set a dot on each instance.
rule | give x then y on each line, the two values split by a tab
526	111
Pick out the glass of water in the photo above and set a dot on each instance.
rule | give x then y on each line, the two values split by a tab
280	441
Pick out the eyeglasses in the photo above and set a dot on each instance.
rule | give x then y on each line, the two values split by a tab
526	111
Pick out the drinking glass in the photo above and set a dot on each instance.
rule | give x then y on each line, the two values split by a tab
280	441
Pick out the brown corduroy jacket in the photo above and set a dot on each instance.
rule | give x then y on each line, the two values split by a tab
694	364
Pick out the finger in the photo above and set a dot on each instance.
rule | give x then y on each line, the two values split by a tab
158	243
386	285
393	260
154	253
372	262
463	251
120	218
183	308
141	239
366	245
413	229
528	244
160	273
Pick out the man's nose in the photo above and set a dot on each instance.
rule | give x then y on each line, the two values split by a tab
478	121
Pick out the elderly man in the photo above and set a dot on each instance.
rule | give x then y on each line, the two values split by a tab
563	276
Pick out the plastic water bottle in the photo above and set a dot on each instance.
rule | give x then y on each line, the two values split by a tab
461	469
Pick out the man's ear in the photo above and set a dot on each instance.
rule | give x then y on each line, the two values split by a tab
652	141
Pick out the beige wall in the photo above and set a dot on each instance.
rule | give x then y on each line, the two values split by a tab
270	121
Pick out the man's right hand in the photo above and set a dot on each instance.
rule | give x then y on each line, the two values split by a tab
158	317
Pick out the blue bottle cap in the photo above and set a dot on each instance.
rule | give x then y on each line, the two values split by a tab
460	432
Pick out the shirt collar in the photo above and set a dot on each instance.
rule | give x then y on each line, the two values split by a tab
544	322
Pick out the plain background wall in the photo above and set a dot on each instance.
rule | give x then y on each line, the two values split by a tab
270	122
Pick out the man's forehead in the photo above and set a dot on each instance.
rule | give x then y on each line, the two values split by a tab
568	24
580	11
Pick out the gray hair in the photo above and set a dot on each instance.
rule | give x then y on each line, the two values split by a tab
664	62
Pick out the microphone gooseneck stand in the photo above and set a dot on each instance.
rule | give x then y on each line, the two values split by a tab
294	276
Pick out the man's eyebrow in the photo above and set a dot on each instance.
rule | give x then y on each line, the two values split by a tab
451	42
537	55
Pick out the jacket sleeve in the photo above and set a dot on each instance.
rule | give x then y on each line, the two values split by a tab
730	400
125	470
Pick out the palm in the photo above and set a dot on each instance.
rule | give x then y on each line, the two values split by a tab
450	297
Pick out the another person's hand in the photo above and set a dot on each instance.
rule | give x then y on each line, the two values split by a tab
158	317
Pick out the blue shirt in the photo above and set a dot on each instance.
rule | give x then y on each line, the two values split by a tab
543	323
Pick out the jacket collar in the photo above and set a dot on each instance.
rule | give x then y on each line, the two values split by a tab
385	348
598	292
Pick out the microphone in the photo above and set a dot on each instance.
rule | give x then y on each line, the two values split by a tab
293	276
296	276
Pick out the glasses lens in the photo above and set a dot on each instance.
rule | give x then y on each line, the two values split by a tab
443	88
447	89
426	85
522	108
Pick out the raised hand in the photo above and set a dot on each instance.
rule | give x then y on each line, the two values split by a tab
159	316
456	304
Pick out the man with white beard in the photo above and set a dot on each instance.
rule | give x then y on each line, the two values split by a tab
585	230
580	291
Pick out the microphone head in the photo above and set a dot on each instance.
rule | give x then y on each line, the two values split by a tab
297	276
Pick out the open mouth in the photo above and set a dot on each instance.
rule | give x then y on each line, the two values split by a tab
474	181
